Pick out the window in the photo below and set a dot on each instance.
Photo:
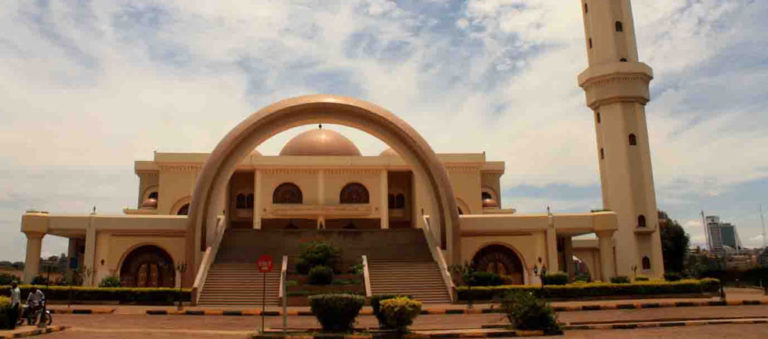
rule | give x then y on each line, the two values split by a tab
632	140
597	116
602	154
355	193
152	195
586	8
486	195
184	210
287	193
641	220
400	201
240	201
623	60
249	201
590	43
646	263
619	26
391	201
460	211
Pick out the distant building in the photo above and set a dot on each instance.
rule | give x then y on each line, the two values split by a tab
762	258
723	238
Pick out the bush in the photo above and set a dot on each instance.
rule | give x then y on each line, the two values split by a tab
594	289
302	267
672	276
336	312
558	278
7	279
376	300
319	253
320	275
486	279
110	281
620	279
526	312
398	313
124	295
643	278
40	280
582	278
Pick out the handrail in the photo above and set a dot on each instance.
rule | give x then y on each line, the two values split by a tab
437	255
208	257
367	277
283	276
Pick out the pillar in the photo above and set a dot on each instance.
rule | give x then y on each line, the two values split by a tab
32	262
257	199
568	264
89	267
321	188
552	265
384	199
607	264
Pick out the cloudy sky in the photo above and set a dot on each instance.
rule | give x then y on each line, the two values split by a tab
88	87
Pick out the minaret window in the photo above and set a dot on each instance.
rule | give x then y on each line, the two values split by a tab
602	153
646	263
619	26
623	60
590	43
152	195
640	220
586	8
597	116
632	140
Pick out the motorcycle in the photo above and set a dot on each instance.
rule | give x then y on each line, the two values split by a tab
32	317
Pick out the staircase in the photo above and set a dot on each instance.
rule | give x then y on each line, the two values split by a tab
241	284
420	279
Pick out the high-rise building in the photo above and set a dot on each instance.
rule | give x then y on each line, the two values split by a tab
722	237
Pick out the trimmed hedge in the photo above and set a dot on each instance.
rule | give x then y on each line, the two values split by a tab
320	275
620	279
124	295
597	289
486	279
558	278
376	300
398	313
336	312
6	318
526	312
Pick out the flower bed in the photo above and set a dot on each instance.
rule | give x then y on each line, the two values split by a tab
596	289
122	295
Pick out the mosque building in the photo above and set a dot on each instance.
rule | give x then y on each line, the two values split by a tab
201	216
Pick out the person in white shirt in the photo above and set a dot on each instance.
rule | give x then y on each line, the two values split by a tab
15	302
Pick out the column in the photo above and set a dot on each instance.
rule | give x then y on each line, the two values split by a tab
257	200
32	262
552	265
607	263
384	199
570	268
89	267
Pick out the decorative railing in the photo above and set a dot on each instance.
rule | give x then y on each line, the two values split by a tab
437	255
208	258
283	276
367	277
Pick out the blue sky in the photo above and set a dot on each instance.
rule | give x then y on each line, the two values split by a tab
88	87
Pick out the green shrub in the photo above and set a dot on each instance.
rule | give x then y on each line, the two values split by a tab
320	253
672	276
356	269
7	279
110	281
336	312
124	295
594	289
7	318
558	278
620	279
376	300
342	282
582	278
320	275
302	266
40	280
526	312
398	313
486	279
642	278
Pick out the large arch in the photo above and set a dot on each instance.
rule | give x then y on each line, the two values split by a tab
147	266
501	259
311	109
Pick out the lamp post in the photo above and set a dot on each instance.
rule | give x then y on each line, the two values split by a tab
181	268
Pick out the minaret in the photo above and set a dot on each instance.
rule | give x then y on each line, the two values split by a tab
616	86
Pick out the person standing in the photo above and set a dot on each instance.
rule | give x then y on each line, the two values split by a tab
15	303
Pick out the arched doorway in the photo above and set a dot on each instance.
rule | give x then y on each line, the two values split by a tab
286	114
147	266
501	260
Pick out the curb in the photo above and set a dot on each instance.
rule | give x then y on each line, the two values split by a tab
455	311
83	311
35	332
414	335
625	326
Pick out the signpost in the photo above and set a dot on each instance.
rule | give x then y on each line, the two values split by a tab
265	266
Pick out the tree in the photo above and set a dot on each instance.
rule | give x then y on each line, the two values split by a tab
674	243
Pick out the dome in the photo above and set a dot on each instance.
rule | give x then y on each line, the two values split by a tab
388	152
150	203
490	202
320	142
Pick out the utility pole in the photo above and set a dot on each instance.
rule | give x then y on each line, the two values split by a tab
762	221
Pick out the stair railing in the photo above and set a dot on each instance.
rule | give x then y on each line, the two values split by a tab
208	258
367	277
437	256
283	276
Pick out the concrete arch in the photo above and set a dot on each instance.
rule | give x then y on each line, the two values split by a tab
510	248
311	109
163	252
148	190
463	205
179	203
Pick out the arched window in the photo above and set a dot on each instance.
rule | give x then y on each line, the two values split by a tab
287	193
590	43
249	201
623	60
597	116
640	220
602	153
184	210
391	201
586	8
646	263
486	195
460	211
632	140
400	201
152	195
619	26
240	201
355	193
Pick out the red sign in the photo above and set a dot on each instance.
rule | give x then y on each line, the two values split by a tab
265	263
